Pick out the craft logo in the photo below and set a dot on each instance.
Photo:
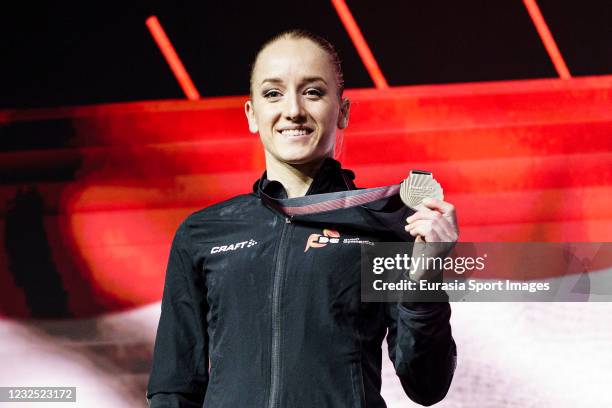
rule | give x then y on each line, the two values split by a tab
331	237
233	247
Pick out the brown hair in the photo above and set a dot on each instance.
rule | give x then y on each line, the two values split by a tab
318	40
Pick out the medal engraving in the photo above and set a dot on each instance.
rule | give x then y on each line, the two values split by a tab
418	186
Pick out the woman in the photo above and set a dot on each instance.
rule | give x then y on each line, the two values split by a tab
260	308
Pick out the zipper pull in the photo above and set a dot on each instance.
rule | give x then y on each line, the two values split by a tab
287	220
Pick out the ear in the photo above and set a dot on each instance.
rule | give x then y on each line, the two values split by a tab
250	114
343	116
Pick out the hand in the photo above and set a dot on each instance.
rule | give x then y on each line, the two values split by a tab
436	221
435	227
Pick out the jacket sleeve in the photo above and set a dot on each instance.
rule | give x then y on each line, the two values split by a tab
179	375
422	349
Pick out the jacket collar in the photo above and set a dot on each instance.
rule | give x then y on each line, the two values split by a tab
330	178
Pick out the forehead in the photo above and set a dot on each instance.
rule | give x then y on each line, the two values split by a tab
292	59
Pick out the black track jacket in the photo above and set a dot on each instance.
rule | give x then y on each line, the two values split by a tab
259	311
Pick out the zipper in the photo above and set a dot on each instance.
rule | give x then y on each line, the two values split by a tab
276	320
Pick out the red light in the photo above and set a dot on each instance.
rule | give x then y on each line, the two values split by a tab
547	39
360	43
164	44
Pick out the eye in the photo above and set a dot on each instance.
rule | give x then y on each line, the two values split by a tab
314	92
272	93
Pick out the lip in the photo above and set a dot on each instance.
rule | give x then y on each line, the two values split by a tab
295	127
308	130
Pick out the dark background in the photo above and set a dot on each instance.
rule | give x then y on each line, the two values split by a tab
62	53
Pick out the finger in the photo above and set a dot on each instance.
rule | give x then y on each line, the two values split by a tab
422	214
418	231
435	217
430	230
449	220
444	230
426	232
434	204
418	224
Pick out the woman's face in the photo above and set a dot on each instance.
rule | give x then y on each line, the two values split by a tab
295	105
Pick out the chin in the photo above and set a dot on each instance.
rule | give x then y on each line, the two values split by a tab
300	157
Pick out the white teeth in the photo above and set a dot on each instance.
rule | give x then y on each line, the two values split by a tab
295	132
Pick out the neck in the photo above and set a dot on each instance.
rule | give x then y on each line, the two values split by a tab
296	178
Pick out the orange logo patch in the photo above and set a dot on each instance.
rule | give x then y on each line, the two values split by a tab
319	241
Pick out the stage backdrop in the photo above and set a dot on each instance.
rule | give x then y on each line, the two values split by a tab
91	196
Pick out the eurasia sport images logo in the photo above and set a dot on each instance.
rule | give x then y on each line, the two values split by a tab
318	241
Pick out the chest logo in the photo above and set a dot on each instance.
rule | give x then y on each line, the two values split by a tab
233	247
331	236
319	241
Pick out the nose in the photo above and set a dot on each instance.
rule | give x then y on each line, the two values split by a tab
294	109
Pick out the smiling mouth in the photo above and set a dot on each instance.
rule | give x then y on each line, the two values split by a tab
295	132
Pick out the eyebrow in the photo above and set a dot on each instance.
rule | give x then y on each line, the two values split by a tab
305	80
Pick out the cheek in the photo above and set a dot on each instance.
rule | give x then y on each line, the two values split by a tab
265	124
266	120
327	116
261	110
